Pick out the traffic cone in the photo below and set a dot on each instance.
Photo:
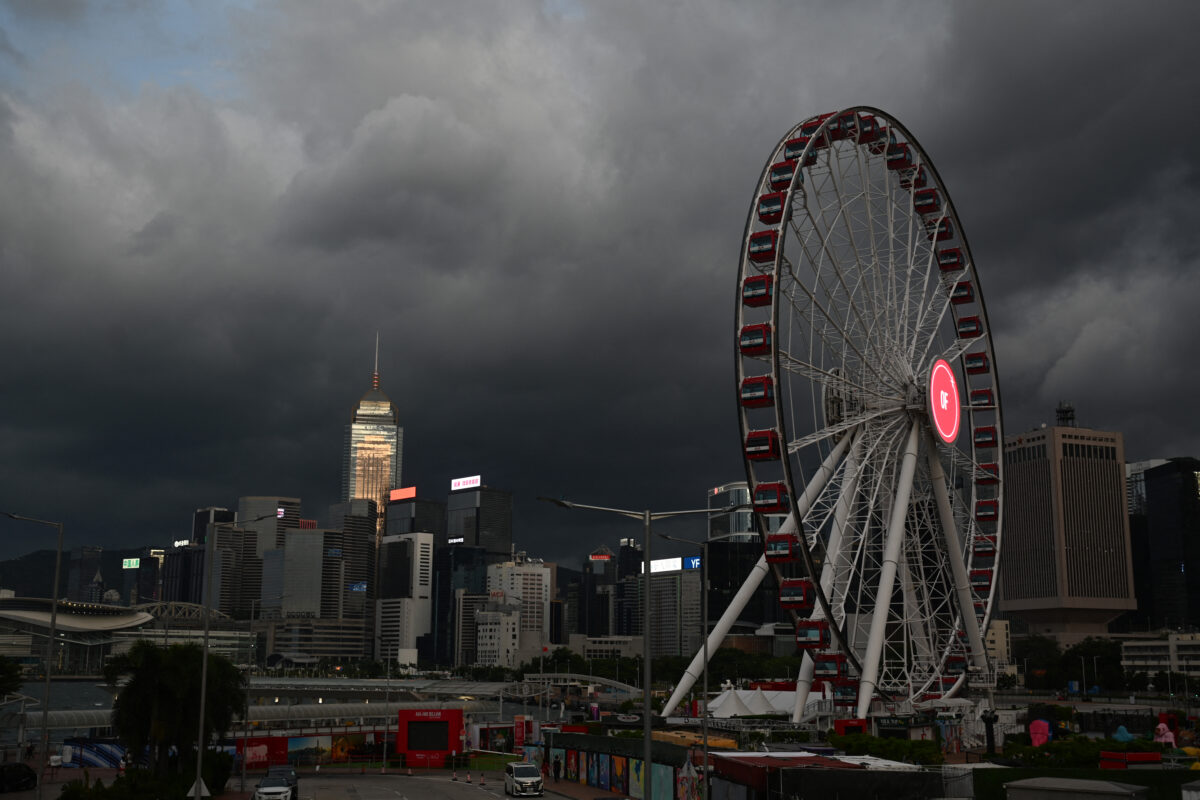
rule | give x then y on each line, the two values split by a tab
468	776
455	777
481	779
410	772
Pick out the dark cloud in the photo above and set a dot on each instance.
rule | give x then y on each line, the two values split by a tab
540	209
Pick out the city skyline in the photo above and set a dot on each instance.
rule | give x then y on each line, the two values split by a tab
208	210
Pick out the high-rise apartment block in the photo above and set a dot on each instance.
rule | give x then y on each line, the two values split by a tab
1065	567
404	607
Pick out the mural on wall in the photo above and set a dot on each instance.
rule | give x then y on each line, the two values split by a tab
637	783
620	774
602	771
572	766
308	750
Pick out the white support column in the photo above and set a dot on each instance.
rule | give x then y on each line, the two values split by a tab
829	571
887	574
754	579
962	583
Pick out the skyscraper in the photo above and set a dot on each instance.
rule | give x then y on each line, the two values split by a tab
1066	567
374	445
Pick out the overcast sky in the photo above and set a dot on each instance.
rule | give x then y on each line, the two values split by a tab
208	210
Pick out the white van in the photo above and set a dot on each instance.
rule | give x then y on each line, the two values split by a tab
522	779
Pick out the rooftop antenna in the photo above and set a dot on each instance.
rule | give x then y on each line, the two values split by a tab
1064	415
375	374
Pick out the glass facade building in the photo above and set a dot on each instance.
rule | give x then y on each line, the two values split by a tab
373	449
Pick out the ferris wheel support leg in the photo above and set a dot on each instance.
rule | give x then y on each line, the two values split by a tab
803	687
887	574
751	584
962	584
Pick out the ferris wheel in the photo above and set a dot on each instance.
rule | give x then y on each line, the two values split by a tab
870	411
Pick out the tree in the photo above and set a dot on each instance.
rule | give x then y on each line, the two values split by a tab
156	707
10	676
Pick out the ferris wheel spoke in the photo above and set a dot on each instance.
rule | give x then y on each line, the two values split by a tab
840	428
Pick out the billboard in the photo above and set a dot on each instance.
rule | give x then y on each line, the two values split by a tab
472	482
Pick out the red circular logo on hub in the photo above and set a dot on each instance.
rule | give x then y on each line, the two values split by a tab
944	407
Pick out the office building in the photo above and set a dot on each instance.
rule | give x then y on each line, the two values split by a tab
408	513
479	516
82	573
675	588
183	574
374	447
404	608
1172	525
734	547
525	582
455	567
203	518
466	606
1067	571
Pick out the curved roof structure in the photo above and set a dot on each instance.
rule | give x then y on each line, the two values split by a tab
72	617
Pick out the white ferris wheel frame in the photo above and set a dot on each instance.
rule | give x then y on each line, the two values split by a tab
879	505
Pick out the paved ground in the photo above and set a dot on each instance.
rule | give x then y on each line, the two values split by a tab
397	783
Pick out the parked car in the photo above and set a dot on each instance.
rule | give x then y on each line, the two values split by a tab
522	779
273	787
17	777
288	773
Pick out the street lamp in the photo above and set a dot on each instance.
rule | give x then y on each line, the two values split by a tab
704	626
49	640
646	517
209	547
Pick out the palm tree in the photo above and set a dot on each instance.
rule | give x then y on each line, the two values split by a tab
156	707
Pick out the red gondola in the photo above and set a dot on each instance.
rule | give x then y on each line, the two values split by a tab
984	547
758	392
987	510
810	127
969	327
900	156
762	445
797	593
770	207
982	398
869	129
913	179
755	340
985	436
981	580
770	498
756	290
762	246
883	141
988	475
963	292
845	691
975	363
812	634
830	666
927	201
792	149
844	127
951	259
939	229
956	665
778	548
780	176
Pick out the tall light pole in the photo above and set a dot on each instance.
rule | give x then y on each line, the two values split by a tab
646	517
209	546
49	640
704	625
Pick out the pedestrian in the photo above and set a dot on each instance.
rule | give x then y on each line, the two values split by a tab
557	768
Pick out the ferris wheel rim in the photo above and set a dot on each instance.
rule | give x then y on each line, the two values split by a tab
921	429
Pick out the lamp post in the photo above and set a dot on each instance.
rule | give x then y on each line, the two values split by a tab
646	517
49	640
209	546
704	626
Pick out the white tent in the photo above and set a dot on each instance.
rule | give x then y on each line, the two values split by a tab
758	703
732	706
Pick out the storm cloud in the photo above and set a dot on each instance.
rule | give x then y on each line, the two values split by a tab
538	206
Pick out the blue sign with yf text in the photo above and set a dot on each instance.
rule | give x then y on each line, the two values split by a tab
691	562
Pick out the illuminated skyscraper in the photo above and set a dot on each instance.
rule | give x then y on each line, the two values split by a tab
374	444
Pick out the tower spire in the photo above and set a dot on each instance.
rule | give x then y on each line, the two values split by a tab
375	374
